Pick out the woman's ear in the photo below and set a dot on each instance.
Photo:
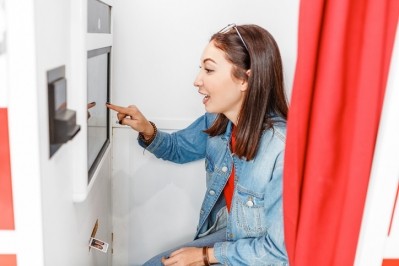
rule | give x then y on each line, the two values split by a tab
245	82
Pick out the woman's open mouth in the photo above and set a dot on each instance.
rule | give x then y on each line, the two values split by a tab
206	98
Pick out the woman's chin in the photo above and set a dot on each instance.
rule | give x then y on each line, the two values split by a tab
208	109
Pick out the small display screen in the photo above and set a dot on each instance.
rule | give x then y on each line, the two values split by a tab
98	77
59	94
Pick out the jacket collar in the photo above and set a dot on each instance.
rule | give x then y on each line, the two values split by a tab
227	134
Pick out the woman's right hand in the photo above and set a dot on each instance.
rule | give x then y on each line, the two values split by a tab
131	116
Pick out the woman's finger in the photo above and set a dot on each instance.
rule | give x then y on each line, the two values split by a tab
177	251
168	261
121	117
130	116
123	112
119	109
91	105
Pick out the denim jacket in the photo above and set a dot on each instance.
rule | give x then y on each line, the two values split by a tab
254	225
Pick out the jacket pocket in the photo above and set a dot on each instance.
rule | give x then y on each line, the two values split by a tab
220	223
249	212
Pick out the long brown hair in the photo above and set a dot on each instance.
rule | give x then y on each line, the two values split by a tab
265	96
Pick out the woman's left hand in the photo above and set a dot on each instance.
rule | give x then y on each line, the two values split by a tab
185	256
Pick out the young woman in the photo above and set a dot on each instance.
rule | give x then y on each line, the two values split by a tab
242	138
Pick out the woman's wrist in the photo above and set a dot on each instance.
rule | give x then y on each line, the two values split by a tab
205	258
211	256
148	135
148	132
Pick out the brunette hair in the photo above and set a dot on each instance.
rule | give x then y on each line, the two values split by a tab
265	96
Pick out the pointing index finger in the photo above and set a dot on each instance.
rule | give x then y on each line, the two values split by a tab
119	109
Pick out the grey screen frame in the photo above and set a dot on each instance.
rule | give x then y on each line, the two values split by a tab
90	54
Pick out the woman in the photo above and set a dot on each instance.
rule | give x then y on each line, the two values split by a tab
242	138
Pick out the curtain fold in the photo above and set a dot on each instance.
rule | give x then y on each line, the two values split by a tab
6	199
344	51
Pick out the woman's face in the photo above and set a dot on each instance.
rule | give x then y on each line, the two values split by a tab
222	92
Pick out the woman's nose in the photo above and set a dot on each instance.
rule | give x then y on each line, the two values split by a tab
198	81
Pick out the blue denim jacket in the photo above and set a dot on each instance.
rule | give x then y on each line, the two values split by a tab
254	226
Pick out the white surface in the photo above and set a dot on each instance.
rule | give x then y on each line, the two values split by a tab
98	40
8	242
3	58
24	148
392	244
158	44
374	244
3	81
156	203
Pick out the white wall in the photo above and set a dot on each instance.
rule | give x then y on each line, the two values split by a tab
24	153
157	48
3	65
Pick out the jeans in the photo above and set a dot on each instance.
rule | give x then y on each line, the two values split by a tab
208	240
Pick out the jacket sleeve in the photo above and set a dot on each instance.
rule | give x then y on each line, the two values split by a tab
182	146
268	249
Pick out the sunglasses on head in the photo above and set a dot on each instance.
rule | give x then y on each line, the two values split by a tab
234	26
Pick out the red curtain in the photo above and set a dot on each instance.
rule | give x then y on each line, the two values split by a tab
6	200
344	50
8	260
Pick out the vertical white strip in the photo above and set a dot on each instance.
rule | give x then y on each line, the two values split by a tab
391	247
77	94
384	175
24	130
3	58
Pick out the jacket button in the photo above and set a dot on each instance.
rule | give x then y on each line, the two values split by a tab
211	192
224	169
250	203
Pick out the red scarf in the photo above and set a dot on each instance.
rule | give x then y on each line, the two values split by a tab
229	188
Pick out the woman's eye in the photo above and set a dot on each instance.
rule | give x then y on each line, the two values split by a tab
207	70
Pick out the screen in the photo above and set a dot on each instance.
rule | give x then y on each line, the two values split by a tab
59	94
98	77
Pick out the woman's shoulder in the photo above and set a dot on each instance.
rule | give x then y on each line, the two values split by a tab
209	119
280	130
209	116
277	132
203	122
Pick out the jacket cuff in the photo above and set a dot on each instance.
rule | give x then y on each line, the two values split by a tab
220	252
154	144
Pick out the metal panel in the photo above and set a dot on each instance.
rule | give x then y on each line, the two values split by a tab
98	17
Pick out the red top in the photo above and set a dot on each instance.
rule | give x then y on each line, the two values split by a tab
229	188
